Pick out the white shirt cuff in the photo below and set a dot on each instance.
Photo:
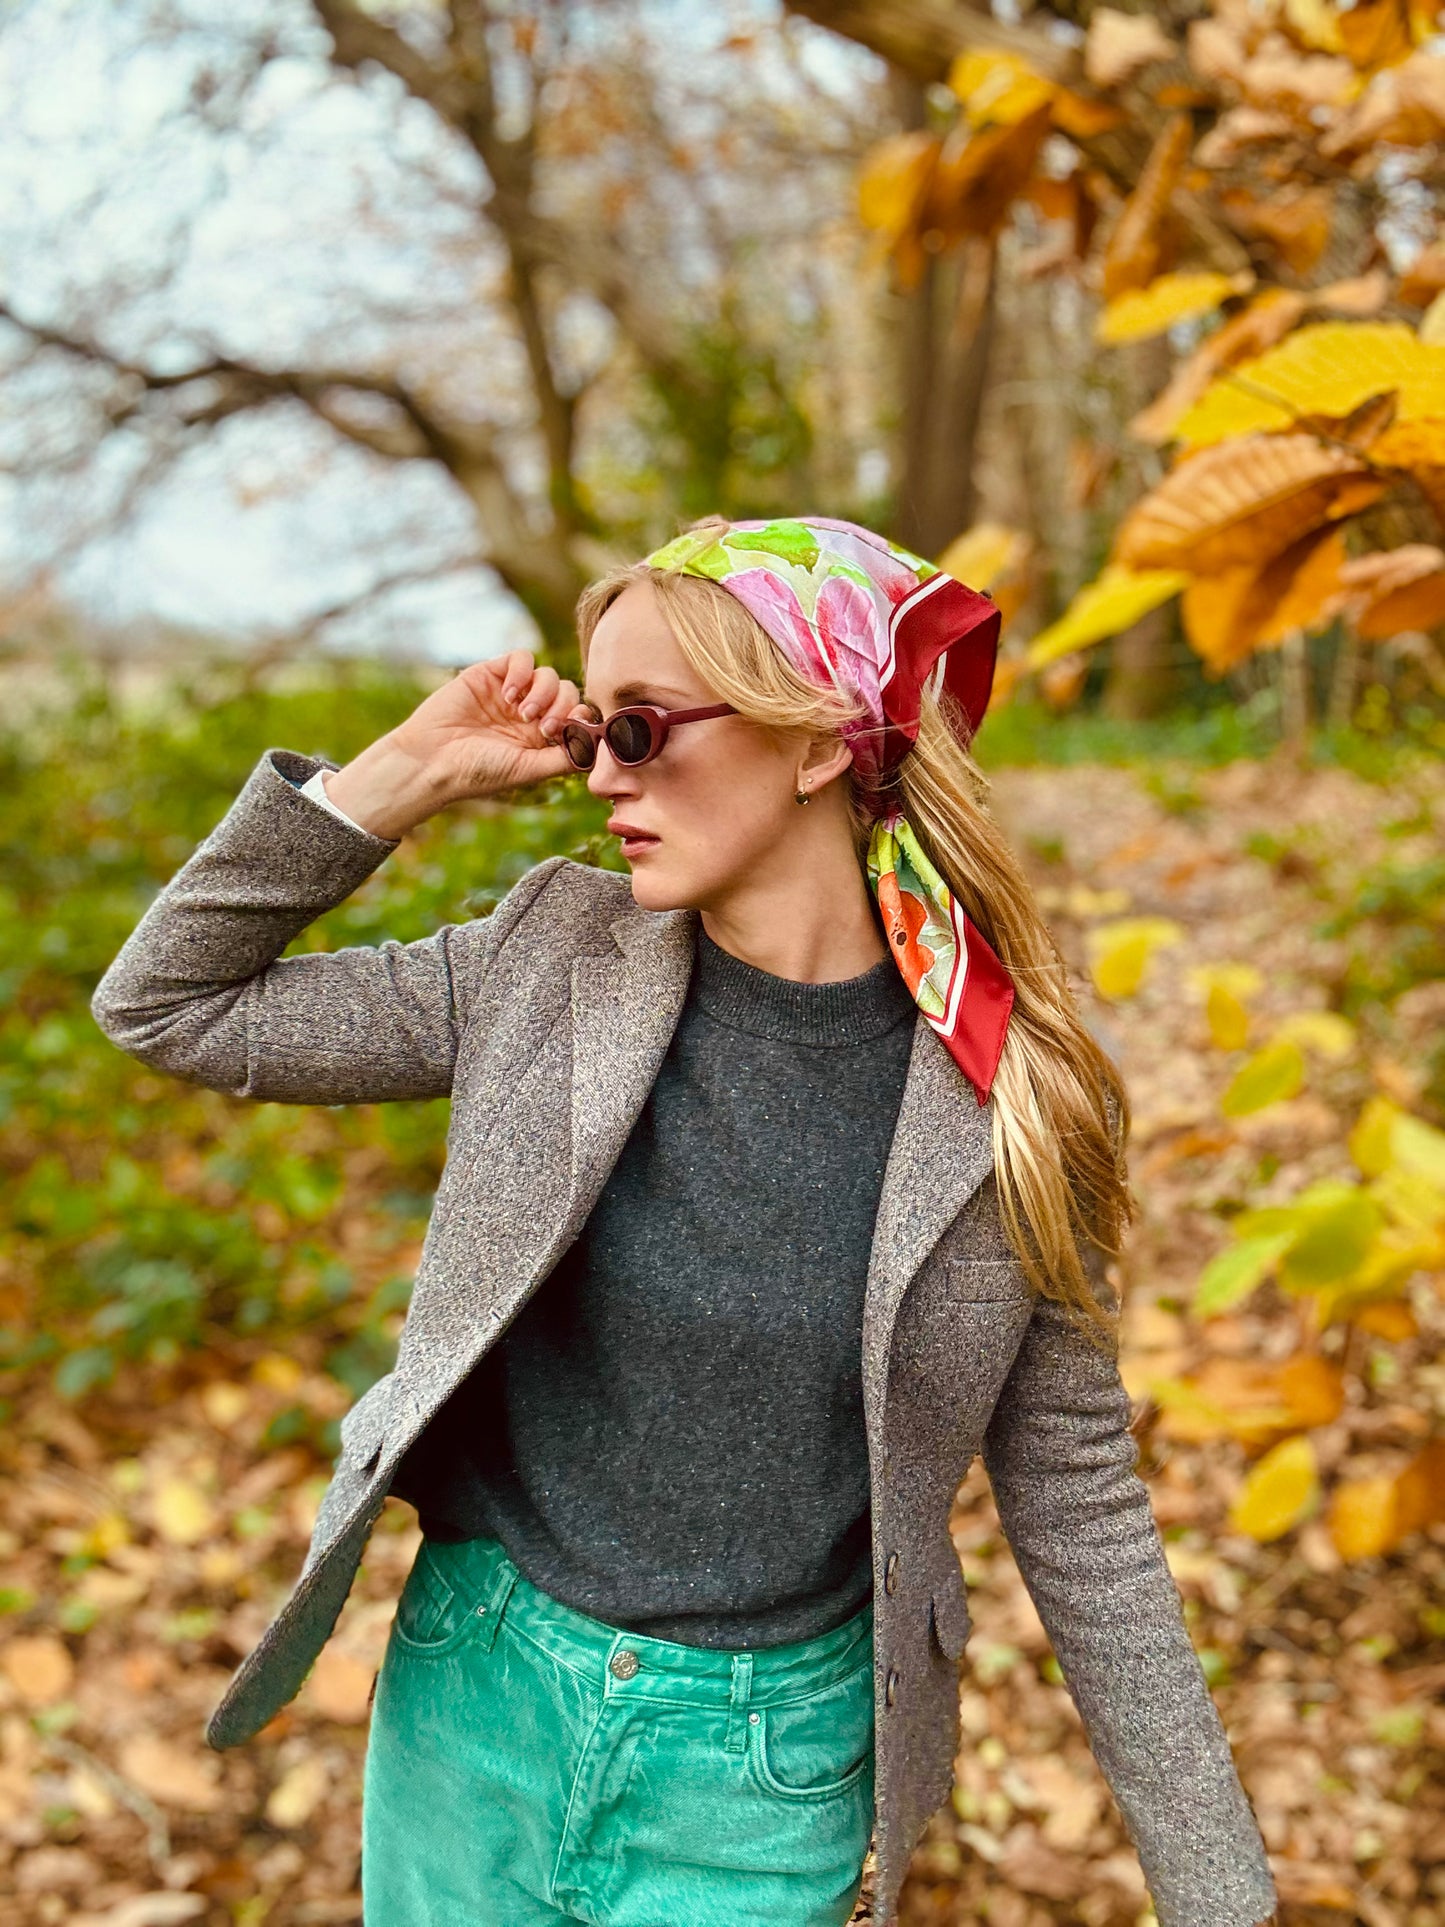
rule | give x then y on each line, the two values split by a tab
315	789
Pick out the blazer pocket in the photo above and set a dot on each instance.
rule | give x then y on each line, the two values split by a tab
952	1622
988	1280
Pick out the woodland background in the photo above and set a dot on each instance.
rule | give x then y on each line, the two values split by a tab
394	324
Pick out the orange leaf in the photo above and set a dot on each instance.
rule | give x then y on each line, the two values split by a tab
1082	118
1242	501
1391	1318
1313	1388
978	177
1232	612
1297	223
1375	33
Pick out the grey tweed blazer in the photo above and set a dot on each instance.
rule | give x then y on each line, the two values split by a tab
546	1023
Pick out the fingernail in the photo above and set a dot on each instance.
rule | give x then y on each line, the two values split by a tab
530	709
549	728
510	692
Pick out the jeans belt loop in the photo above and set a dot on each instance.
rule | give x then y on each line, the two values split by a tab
737	1738
490	1612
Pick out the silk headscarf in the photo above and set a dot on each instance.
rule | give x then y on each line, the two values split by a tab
853	611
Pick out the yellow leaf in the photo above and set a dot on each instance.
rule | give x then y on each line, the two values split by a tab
1322	1030
1385	1136
1281	1489
1324	368
1141	312
277	1372
181	1513
1120	952
225	1405
1269	316
894	179
298	1793
1432	323
984	553
1316	24
1114	601
1228	1019
997	89
1272	1074
1239	979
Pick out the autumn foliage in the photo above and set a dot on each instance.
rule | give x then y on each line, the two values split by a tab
1276	224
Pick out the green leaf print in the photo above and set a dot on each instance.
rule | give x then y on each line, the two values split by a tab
789	541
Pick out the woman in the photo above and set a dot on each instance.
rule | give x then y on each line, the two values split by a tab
813	1091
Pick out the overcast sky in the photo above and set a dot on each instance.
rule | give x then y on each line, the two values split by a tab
252	238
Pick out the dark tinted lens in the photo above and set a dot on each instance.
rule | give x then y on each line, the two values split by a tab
629	738
578	745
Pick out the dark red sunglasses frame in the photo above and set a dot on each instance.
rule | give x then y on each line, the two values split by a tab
659	721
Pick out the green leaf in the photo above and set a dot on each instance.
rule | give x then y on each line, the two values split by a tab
791	541
1228	1279
1270	1075
1333	1243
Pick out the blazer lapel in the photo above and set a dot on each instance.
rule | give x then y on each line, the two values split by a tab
626	1002
942	1151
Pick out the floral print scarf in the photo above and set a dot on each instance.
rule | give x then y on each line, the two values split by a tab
853	611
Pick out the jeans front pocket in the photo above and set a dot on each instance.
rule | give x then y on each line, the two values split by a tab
819	1747
434	1615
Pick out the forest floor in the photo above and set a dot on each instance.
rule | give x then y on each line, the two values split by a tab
147	1537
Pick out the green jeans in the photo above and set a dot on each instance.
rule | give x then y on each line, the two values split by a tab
528	1764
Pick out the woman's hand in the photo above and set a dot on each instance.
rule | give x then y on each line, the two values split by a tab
488	729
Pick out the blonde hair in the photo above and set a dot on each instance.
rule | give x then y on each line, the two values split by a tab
1061	1113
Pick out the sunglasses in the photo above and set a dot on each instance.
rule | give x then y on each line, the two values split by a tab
634	735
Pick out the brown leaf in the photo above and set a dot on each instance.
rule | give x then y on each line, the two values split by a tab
1404	107
1360	297
1119	44
1135	254
980	175
39	1668
171	1774
1230	613
1423	279
340	1687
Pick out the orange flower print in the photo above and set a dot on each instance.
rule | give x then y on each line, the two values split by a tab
905	915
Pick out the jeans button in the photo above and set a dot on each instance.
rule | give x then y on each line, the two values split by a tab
890	1687
624	1663
890	1575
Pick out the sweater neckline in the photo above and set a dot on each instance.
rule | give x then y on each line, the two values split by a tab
852	1010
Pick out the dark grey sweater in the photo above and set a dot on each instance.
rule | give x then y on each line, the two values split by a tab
670	1434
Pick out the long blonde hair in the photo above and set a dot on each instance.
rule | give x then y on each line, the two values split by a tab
1061	1113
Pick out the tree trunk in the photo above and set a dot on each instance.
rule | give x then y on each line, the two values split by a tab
944	338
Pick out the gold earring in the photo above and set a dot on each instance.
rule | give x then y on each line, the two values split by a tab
801	796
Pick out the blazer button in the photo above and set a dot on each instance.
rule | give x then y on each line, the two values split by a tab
890	1574
890	1687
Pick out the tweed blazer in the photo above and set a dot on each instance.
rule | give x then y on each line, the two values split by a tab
546	1024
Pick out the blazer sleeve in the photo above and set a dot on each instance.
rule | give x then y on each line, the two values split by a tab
200	988
1061	1461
